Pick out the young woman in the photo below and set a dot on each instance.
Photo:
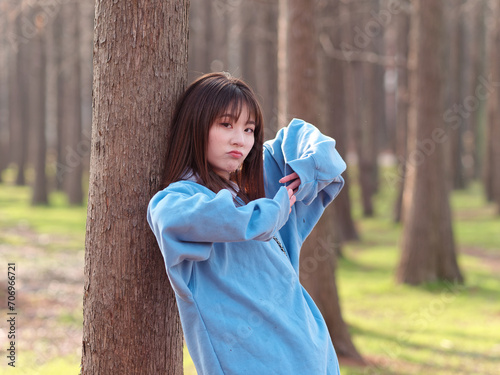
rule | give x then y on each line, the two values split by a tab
230	223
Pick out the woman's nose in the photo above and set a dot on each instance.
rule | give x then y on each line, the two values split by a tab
238	138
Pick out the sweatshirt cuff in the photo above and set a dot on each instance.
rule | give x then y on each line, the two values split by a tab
283	200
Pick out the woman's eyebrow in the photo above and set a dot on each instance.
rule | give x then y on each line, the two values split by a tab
231	116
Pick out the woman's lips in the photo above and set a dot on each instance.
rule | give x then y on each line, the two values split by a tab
235	154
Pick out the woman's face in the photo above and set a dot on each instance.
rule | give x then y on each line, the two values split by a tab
230	140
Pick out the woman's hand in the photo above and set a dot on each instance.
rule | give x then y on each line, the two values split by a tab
292	187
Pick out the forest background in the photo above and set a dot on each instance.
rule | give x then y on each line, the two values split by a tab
410	91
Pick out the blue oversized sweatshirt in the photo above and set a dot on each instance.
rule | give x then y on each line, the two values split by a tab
242	307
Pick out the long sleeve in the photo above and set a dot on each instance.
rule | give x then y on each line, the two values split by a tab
302	148
189	218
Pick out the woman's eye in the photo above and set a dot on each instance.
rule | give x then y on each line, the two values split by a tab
249	130
225	124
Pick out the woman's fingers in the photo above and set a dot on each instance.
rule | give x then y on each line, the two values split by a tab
291	176
294	177
294	185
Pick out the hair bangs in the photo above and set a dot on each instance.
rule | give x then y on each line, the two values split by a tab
199	107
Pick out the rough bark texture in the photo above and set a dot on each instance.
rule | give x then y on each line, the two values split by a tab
131	325
428	249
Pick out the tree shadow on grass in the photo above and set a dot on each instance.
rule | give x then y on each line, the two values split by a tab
396	345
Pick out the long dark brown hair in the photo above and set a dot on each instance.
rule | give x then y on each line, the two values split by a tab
203	102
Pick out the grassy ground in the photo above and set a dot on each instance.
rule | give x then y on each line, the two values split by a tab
438	328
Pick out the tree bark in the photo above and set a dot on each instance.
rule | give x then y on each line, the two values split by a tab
428	248
131	324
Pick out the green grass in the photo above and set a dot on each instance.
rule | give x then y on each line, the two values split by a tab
26	363
56	219
437	328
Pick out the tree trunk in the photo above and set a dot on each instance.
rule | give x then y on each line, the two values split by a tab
317	275
333	110
428	249
198	42
131	324
59	116
19	90
364	113
471	73
4	93
301	61
402	31
337	224
71	104
37	113
262	53
457	59
86	36
492	159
